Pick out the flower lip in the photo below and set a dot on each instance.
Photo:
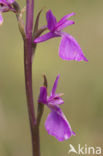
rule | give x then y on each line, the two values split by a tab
58	126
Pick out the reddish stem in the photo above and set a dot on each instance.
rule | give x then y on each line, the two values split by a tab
28	77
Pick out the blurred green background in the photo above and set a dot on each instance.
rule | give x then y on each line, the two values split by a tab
81	83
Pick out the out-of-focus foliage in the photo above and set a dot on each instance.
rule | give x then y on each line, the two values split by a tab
82	82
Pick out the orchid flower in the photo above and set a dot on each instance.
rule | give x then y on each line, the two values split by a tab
69	49
5	6
56	123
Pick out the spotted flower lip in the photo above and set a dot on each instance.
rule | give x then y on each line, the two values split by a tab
5	6
56	123
69	49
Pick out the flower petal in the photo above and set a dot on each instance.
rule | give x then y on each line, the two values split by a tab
70	50
4	2
11	1
66	17
5	5
55	101
1	19
45	37
55	86
43	95
58	126
51	20
63	25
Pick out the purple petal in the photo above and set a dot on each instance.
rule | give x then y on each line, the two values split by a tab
45	37
5	8
1	19
7	1
63	25
55	86
58	126
4	2
55	101
11	1
6	5
43	95
66	17
51	20
70	50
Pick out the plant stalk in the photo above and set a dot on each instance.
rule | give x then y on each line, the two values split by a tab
28	77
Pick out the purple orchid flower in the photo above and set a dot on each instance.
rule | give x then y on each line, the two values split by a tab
5	6
56	123
69	48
